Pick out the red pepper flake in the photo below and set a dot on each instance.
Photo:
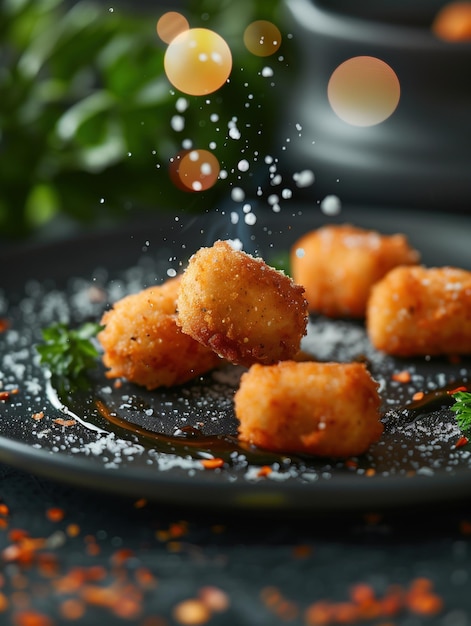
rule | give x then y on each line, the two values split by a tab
265	470
121	556
72	609
278	604
93	549
212	463
178	529
4	324
96	573
363	604
465	527
457	390
3	602
6	395
141	503
55	514
48	564
32	618
362	594
302	551
370	471
192	612
4	510
63	422
98	596
402	377
174	546
418	395
38	416
422	600
73	530
351	464
17	534
145	578
462	441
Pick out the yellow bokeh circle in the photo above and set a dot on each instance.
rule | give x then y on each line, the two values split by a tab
195	170
453	22
262	38
170	25
198	61
364	91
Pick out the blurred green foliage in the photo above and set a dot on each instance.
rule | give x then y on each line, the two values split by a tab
85	110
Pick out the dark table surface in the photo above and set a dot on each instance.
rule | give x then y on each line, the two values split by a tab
71	555
76	556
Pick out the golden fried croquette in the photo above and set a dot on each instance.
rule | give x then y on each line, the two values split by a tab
337	266
243	309
323	409
143	343
421	311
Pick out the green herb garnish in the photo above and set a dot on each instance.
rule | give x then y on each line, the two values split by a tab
69	353
462	408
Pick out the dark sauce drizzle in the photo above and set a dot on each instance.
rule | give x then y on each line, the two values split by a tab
433	401
189	441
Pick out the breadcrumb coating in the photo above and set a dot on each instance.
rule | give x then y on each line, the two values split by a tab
416	311
143	343
338	264
240	307
322	409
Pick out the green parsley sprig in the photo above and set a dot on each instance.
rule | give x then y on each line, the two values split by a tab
69	353
462	408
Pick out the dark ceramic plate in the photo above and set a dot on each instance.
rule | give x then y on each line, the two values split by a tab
151	444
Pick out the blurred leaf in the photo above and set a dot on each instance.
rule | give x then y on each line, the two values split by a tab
42	204
86	110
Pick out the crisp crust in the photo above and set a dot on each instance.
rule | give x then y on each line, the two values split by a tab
143	343
421	311
338	265
323	409
243	309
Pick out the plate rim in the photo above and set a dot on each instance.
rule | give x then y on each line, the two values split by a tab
398	490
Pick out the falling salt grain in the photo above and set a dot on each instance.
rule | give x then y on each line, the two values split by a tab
177	123
236	244
243	165
305	178
331	205
237	194
181	105
234	133
267	72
